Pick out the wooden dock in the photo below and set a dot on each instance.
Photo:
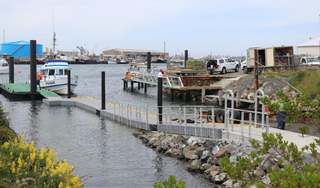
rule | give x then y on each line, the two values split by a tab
21	91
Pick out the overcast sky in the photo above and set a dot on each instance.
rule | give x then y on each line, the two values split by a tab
225	27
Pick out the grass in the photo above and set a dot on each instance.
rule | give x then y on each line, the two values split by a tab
307	79
301	79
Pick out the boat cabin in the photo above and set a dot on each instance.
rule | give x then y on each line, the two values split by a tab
55	68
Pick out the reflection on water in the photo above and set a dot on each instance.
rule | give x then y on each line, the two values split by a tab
96	146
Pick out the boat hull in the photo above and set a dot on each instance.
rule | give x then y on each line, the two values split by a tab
61	89
4	70
59	86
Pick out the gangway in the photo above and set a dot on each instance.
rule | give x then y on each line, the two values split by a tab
152	79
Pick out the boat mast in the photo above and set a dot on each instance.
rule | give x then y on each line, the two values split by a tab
54	37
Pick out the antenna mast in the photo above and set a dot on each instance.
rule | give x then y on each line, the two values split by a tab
54	36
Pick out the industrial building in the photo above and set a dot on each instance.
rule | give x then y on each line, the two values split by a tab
116	53
19	49
310	48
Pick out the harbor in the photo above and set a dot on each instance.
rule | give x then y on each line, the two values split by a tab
224	122
108	146
163	94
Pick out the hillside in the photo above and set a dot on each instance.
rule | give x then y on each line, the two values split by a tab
291	83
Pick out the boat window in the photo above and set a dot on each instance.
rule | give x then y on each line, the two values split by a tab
51	72
65	71
45	72
5	64
60	72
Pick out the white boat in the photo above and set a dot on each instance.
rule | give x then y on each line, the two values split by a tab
4	67
54	75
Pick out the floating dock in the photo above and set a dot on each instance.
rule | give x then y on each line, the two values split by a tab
140	117
21	91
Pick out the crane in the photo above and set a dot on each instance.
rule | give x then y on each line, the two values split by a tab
81	50
104	50
94	50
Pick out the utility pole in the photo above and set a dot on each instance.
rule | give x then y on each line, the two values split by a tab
3	36
256	76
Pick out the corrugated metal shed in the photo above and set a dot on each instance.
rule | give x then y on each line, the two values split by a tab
19	49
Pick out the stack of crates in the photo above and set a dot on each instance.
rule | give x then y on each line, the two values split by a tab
194	64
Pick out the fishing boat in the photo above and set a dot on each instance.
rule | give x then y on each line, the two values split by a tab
54	75
122	61
4	67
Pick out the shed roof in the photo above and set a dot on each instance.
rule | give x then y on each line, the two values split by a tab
18	42
312	42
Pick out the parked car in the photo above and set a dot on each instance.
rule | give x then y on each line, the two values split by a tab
310	61
222	65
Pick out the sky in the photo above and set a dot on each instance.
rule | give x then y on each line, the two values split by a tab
203	27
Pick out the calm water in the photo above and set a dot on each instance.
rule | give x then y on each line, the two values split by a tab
96	146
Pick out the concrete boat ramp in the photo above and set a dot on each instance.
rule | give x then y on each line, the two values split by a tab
176	120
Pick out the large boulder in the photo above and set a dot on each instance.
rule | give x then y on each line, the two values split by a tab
187	153
224	151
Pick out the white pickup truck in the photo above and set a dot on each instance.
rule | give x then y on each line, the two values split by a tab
222	65
309	61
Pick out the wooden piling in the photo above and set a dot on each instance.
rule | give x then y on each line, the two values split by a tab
103	91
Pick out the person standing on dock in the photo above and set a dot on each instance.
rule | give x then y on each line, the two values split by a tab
162	73
38	79
128	75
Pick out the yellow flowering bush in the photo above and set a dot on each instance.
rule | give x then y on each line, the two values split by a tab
22	165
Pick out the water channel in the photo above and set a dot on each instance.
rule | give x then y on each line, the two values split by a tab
96	146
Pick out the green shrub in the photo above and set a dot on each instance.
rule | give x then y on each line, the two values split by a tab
6	133
304	130
295	173
171	183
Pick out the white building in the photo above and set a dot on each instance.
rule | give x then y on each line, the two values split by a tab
311	47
